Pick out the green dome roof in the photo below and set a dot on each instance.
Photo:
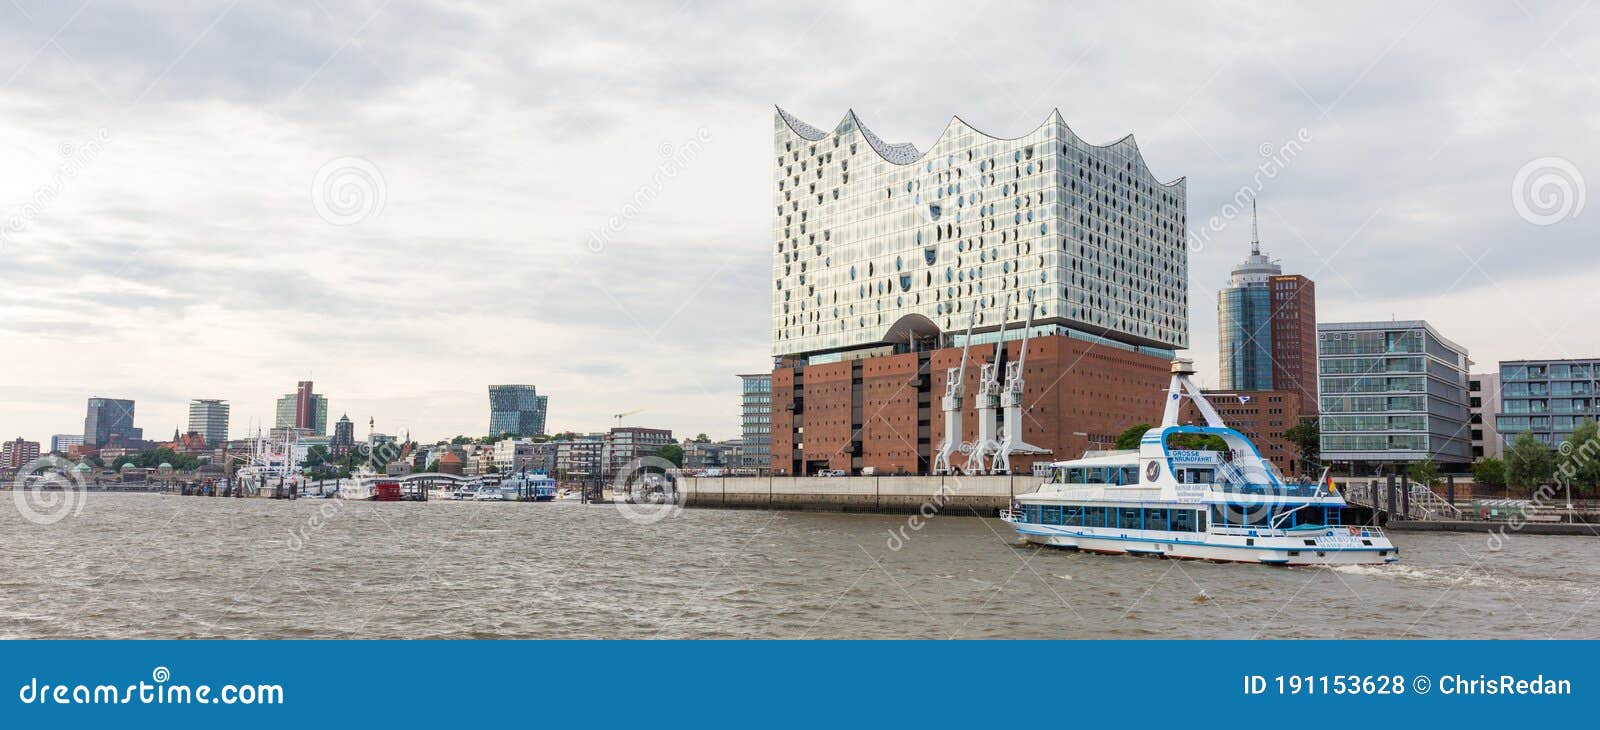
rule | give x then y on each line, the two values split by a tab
81	467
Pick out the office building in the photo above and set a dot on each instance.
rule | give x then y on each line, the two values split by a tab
1547	398
1483	403
624	444
883	254
513	454
756	403
209	418
1267	328
1393	393
61	443
110	419
18	452
1294	338
303	409
580	457
713	455
1244	322
517	409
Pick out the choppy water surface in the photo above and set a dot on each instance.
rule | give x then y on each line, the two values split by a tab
149	566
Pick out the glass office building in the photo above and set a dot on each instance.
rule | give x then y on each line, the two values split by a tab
1393	392
517	409
1547	398
756	401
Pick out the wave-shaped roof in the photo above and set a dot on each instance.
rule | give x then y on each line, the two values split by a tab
905	153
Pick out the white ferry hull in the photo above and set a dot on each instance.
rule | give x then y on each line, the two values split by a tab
1267	551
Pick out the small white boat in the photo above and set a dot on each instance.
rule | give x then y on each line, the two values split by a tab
1228	505
464	493
489	494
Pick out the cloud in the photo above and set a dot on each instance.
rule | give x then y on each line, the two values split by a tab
188	259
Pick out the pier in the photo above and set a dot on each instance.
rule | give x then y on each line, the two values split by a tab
983	495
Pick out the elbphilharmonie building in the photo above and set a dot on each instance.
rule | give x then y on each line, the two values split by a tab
873	241
885	254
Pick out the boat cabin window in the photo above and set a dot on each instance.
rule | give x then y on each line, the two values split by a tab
1193	475
1096	475
1127	518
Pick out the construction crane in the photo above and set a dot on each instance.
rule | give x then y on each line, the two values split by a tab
619	416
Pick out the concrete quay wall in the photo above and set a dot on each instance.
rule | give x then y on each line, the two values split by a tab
984	495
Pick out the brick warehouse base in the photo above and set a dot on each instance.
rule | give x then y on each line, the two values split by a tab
883	412
953	495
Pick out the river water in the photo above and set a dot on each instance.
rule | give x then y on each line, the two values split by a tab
158	566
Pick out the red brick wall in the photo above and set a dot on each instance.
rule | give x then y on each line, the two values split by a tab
1071	387
1263	420
1294	338
889	388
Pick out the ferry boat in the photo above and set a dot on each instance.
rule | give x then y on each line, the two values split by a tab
1228	506
529	487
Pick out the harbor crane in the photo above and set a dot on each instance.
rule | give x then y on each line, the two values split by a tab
954	394
987	401
1011	441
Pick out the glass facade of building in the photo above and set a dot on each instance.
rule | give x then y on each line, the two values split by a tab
517	409
1547	398
756	401
209	418
1393	392
109	417
1244	318
868	234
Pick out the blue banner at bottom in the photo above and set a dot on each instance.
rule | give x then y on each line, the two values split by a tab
786	684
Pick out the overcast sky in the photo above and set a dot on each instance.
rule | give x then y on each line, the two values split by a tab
406	202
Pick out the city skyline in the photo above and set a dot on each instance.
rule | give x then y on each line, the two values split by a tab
591	293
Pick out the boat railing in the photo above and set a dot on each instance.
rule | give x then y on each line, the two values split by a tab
1012	515
1287	489
1264	531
